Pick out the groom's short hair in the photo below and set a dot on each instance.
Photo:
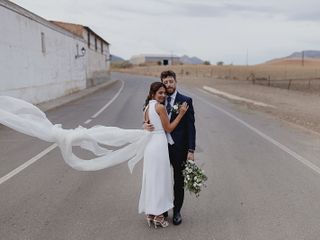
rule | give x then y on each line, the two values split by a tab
168	73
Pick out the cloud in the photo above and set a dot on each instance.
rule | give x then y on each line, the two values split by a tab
310	15
213	30
221	10
209	9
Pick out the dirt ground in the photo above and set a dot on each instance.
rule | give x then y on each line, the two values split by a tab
297	107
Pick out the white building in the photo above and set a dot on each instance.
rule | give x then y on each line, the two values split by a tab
155	59
40	61
97	51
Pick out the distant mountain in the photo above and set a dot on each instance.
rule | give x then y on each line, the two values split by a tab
311	57
190	60
116	59
307	54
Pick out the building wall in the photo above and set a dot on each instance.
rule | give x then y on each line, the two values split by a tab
162	60
142	59
139	59
98	60
98	54
34	69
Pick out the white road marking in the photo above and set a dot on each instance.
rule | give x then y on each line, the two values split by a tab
234	97
108	104
266	137
53	146
88	121
205	92
27	163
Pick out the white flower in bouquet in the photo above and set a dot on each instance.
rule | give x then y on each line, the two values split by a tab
194	178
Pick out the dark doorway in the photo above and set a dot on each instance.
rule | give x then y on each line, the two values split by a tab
165	62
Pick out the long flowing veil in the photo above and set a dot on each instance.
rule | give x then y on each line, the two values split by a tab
119	145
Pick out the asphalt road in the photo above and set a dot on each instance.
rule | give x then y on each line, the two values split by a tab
264	177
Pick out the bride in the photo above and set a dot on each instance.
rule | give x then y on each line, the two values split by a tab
131	145
157	187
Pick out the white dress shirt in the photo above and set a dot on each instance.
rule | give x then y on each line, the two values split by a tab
173	98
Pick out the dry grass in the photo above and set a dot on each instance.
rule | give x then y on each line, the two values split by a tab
275	74
295	62
298	107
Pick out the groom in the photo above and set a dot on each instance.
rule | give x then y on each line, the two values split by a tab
184	137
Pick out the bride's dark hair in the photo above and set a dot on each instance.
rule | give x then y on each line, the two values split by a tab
154	87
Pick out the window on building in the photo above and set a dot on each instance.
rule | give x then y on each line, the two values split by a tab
88	40
101	47
95	44
77	47
43	44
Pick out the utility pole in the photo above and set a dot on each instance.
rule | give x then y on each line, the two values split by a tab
247	58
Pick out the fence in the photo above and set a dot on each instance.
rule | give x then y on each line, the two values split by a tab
283	76
290	83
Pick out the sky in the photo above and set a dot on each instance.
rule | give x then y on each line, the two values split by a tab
236	32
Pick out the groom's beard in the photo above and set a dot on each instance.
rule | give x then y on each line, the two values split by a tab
170	91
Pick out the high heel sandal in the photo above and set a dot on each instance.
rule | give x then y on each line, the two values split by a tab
149	219
160	221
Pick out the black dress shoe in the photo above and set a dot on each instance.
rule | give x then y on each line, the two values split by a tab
165	214
177	219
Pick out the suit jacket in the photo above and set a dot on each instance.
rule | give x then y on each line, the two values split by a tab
184	135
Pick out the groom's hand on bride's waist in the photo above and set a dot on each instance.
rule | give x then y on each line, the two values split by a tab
148	126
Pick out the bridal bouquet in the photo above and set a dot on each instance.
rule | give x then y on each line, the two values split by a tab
194	178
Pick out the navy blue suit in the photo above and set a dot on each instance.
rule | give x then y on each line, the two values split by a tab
184	137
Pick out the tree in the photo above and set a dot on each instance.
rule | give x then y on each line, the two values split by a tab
220	63
206	62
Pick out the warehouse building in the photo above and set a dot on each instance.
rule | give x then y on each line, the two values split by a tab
40	60
155	59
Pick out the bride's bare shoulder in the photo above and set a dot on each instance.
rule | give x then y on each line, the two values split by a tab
159	106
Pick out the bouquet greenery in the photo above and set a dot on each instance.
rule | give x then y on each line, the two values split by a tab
194	178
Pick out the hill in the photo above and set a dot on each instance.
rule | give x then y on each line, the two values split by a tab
307	54
116	59
190	60
307	57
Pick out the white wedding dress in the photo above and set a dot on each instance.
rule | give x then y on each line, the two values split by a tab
131	145
157	185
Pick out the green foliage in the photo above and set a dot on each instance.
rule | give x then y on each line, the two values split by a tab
194	178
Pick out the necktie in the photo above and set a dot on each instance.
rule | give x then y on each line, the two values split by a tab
168	107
